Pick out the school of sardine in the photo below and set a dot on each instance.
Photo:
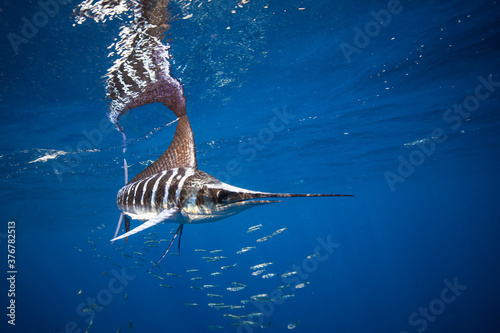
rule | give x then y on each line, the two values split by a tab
152	240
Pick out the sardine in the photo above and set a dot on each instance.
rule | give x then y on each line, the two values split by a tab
267	276
210	286
215	327
260	297
229	315
245	249
260	271
255	227
284	297
279	231
165	286
263	239
261	265
191	304
287	274
301	285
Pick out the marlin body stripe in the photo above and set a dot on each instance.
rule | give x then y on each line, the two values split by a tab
146	198
180	188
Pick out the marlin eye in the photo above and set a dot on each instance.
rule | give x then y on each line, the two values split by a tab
222	196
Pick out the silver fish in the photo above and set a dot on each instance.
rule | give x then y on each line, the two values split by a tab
229	315
279	231
301	285
313	255
165	286
216	327
263	239
215	304
285	297
245	249
287	274
260	297
261	265
254	228
260	271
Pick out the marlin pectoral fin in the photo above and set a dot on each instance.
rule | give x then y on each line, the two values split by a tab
154	221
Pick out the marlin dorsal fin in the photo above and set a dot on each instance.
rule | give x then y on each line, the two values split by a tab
180	153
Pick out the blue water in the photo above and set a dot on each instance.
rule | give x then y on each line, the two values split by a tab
415	250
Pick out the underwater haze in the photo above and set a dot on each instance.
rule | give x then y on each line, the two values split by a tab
394	102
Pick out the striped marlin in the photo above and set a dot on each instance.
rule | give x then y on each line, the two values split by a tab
173	189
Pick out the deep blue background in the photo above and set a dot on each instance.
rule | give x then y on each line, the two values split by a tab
353	122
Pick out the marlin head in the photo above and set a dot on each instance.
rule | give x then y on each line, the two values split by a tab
208	199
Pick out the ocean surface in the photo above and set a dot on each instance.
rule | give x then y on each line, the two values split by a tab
397	103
